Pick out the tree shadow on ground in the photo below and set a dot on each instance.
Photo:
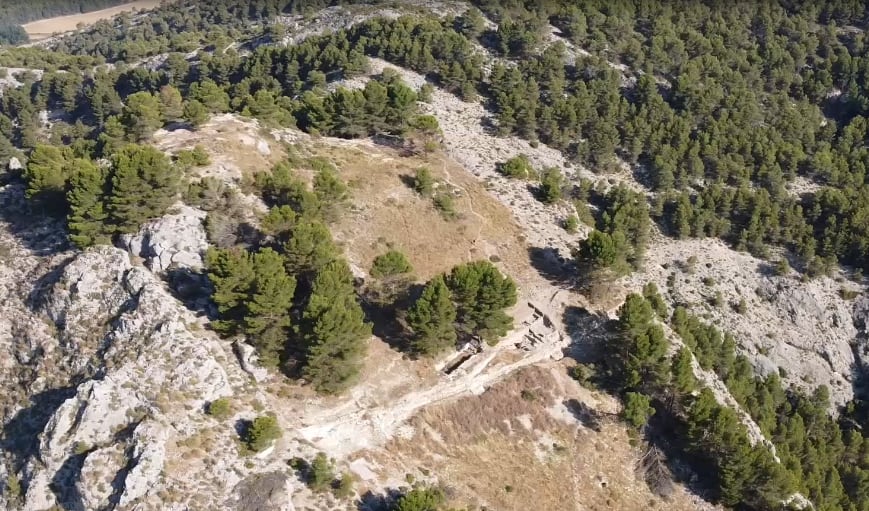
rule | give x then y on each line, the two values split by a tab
42	234
554	267
193	289
370	501
382	312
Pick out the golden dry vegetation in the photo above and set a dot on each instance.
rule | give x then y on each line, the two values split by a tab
43	29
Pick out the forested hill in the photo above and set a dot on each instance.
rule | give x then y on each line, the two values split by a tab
745	122
14	13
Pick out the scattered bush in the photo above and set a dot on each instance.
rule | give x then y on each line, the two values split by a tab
220	408
391	263
517	167
445	204
261	432
423	182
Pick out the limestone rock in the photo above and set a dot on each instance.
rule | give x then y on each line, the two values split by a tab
110	438
14	164
249	361
176	240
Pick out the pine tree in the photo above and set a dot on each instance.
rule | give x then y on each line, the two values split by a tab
642	352
481	294
46	176
231	272
267	320
142	115
144	185
309	247
195	113
279	221
333	330
637	410
87	212
683	378
432	319
171	103
389	264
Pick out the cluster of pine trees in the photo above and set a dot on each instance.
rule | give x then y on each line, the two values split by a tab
823	458
139	184
468	303
293	296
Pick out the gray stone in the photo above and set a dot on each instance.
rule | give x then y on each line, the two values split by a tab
176	240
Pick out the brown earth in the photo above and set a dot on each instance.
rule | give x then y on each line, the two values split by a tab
43	29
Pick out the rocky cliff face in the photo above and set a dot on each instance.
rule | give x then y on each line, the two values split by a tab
150	367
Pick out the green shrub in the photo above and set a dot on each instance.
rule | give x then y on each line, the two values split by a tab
220	408
390	263
421	499
321	474
262	432
444	203
517	167
423	182
343	488
571	224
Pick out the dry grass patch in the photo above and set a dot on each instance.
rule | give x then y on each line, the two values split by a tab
42	29
386	213
507	450
235	145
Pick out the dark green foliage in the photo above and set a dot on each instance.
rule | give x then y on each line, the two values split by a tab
638	409
13	34
195	113
171	103
517	167
267	321
641	361
651	294
231	274
682	372
141	115
143	186
46	175
481	294
261	432
279	221
282	187
254	295
571	224
551	185
321	474
309	248
391	263
333	330
603	253
432	319
87	209
188	158
423	182
421	499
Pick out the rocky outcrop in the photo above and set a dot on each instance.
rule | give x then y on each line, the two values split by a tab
176	240
805	331
107	443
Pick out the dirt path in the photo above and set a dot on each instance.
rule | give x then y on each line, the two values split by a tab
43	29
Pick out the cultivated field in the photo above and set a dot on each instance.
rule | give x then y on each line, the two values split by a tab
43	29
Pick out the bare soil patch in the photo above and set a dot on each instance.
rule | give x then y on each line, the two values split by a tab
517	447
43	29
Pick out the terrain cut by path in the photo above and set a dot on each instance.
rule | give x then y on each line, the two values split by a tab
43	29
